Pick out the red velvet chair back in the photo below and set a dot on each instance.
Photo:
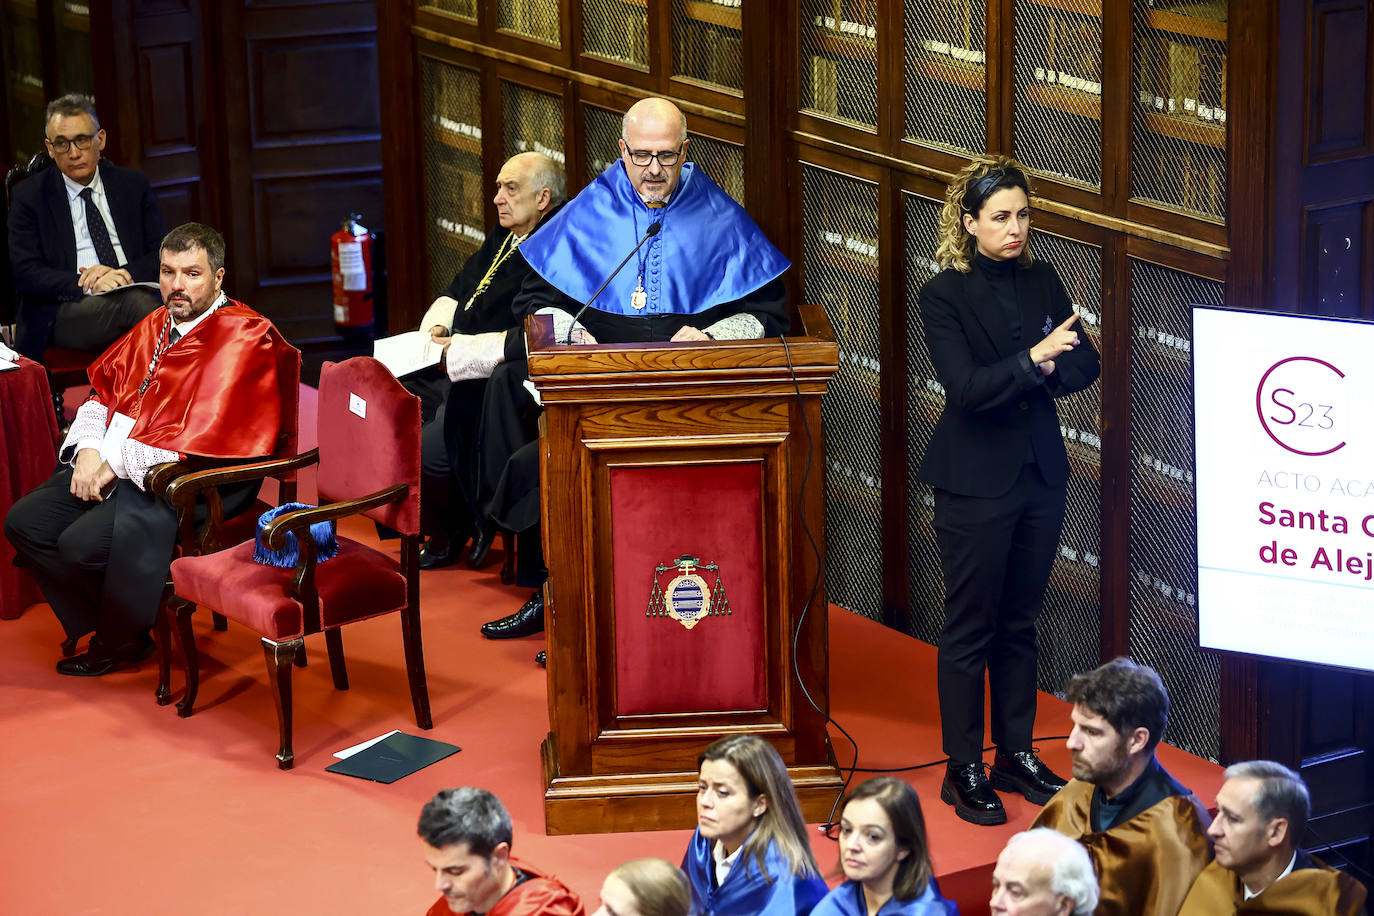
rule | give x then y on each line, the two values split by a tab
369	430
289	384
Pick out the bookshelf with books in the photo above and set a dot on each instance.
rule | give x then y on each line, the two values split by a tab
708	44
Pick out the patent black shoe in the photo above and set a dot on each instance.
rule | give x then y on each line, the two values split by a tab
527	621
541	658
440	551
966	788
1022	771
100	660
481	546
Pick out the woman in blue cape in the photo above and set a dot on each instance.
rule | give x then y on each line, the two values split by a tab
750	855
883	852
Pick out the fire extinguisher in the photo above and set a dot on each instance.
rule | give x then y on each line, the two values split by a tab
350	257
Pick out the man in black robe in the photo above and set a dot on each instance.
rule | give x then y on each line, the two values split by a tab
474	321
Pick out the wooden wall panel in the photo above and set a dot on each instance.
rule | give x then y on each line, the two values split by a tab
303	117
1338	257
309	89
1339	110
167	111
291	221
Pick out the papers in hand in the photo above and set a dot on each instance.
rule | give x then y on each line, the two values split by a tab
146	284
408	352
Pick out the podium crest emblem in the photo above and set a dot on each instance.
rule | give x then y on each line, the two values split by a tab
687	597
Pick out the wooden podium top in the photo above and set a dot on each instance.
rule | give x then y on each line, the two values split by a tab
652	371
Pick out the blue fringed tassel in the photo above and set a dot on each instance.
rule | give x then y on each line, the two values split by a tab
326	544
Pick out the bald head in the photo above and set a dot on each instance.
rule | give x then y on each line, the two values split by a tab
656	115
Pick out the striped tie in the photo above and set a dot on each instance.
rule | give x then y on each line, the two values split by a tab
98	231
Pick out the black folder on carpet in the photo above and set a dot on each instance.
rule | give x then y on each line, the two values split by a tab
394	757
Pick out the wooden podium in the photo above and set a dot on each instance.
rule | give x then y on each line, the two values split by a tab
675	478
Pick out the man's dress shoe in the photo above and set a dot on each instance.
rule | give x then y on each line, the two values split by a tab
439	552
1022	771
541	658
966	788
481	546
100	659
527	621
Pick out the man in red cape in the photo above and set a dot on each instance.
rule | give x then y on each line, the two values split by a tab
467	837
197	377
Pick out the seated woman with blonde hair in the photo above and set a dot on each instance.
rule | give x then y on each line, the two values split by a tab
883	852
645	887
750	855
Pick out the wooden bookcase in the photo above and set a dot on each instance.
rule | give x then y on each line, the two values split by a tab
837	123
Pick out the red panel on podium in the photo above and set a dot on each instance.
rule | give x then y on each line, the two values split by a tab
714	512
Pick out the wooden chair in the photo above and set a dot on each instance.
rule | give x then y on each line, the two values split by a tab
215	532
368	462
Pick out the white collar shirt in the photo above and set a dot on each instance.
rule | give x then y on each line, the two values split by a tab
1286	872
85	248
723	862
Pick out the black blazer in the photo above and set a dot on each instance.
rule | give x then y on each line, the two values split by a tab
42	243
995	410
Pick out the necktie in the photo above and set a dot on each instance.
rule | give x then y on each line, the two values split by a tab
99	232
173	337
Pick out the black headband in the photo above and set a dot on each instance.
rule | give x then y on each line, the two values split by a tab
983	188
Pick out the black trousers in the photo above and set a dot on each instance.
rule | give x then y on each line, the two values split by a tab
95	322
102	565
996	555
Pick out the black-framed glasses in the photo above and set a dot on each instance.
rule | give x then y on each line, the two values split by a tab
643	157
80	141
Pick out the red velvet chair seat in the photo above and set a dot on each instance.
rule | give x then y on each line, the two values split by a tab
257	596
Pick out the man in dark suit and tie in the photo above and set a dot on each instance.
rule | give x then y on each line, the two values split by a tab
77	234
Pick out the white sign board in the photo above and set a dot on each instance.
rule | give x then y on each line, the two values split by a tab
1284	411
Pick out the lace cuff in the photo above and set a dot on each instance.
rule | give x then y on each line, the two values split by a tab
86	431
138	458
736	327
564	328
475	355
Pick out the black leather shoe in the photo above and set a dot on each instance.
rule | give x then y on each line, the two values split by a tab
541	658
966	788
440	551
1022	771
99	660
527	621
481	546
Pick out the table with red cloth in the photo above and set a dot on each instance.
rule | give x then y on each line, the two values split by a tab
28	438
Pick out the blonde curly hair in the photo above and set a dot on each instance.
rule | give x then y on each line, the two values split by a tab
966	194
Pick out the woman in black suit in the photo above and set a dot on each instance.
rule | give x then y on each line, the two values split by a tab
1002	338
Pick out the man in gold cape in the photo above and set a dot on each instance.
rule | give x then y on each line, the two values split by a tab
1262	811
1145	833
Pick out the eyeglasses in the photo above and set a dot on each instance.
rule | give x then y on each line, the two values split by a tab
80	141
643	157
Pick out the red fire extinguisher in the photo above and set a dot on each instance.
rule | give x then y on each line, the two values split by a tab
350	256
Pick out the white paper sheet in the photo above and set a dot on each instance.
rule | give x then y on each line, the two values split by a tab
350	751
408	352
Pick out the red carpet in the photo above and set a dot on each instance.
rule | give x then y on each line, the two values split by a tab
111	804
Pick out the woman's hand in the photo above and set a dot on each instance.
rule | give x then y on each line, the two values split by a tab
1060	340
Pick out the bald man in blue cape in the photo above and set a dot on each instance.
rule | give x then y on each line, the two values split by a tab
708	272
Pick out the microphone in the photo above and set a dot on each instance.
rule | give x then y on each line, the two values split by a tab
648	234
